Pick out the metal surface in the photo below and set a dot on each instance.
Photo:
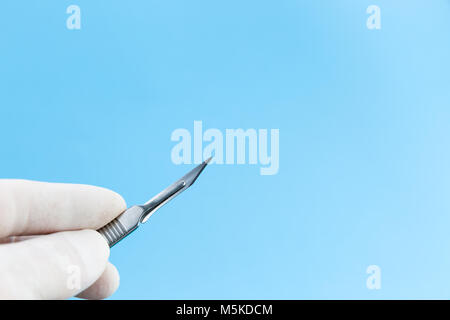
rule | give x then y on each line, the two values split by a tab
130	219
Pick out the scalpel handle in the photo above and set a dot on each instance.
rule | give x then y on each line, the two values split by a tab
123	225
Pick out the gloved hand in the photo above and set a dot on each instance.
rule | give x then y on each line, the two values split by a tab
49	249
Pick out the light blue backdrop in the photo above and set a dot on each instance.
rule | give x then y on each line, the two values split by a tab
364	137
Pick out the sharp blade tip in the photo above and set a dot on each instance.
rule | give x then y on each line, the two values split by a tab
208	160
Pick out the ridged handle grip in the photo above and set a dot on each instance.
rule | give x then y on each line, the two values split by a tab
122	226
113	232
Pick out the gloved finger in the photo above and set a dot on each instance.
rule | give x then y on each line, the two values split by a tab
30	207
102	288
105	286
55	266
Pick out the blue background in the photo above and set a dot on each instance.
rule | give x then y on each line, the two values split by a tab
364	137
